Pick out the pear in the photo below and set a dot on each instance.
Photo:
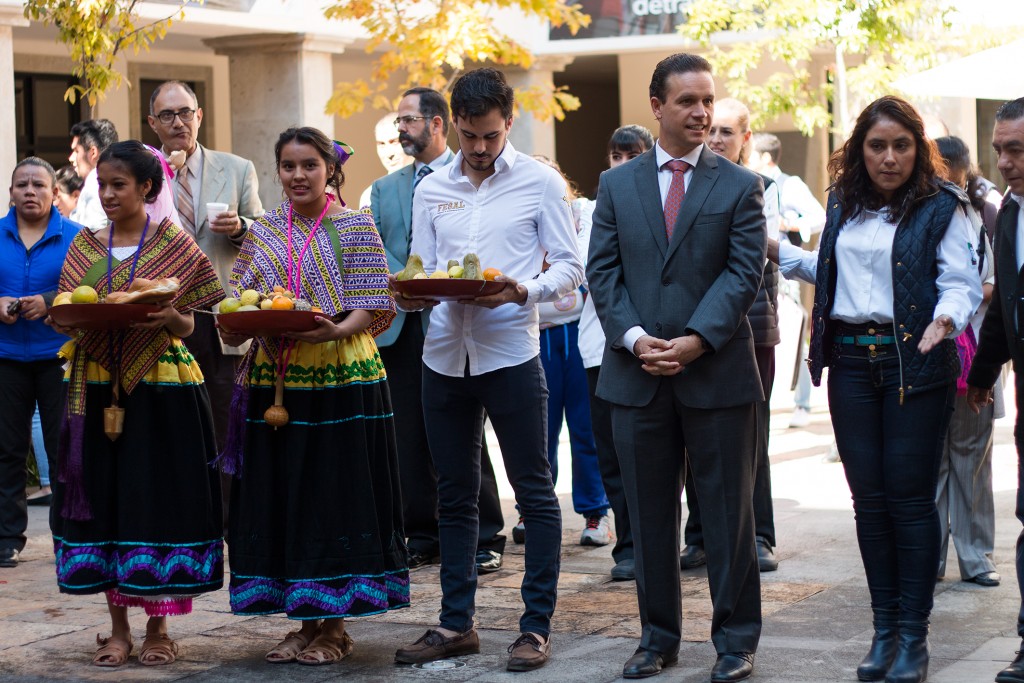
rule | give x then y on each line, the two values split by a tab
471	268
413	267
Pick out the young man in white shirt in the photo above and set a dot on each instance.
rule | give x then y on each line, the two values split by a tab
512	212
88	140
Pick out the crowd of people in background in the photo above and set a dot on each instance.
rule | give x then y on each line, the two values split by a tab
646	320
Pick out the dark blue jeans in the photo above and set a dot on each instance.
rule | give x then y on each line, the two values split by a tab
515	399
891	455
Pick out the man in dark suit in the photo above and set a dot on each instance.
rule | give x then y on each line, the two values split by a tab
676	255
1002	333
422	131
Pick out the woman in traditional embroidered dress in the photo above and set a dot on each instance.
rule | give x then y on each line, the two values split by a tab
139	515
315	525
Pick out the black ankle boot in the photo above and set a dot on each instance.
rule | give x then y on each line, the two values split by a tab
911	663
883	647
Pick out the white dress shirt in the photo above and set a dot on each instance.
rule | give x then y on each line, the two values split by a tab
664	182
435	165
864	270
799	207
1020	229
516	216
194	164
89	210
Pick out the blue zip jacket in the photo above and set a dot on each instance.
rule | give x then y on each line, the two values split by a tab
26	272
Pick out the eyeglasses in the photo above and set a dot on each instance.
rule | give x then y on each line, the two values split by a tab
167	116
408	120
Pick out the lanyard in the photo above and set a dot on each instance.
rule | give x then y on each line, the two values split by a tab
135	257
294	283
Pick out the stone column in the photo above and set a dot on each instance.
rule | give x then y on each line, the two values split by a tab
530	135
277	81
9	18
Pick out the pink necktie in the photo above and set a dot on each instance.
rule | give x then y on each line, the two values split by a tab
676	192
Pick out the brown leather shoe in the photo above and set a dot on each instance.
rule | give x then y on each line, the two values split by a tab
435	645
527	653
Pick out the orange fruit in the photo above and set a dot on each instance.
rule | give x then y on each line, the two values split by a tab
316	309
491	273
282	303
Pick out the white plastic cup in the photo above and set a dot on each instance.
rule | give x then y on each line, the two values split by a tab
214	209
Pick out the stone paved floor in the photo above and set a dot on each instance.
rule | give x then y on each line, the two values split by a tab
816	616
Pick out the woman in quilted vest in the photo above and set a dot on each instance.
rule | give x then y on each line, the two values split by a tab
896	279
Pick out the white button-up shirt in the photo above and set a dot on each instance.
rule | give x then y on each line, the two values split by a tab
89	210
510	222
864	270
800	209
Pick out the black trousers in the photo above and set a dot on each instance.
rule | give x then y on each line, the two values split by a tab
653	442
611	476
1018	439
764	511
23	385
515	399
219	377
403	362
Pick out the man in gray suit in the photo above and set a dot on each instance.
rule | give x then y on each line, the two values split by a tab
676	254
422	122
207	176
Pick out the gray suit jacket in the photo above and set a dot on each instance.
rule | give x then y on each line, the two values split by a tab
232	180
391	202
703	281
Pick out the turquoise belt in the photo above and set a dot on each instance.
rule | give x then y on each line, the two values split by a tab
865	340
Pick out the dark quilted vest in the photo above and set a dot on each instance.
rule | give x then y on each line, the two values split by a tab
764	312
914	271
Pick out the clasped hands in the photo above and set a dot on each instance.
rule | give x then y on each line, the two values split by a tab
666	357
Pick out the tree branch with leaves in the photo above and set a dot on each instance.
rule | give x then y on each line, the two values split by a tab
872	43
96	32
430	42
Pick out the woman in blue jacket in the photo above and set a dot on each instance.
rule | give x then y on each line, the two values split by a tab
34	239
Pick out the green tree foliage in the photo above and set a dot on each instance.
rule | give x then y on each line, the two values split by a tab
871	43
430	42
95	33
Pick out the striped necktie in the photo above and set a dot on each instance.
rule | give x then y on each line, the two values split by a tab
676	194
184	203
420	175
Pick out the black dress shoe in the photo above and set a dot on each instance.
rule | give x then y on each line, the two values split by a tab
1013	673
8	557
732	666
624	571
987	579
420	559
692	557
45	499
487	561
766	561
646	663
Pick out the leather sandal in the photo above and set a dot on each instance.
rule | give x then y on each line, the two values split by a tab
158	649
113	652
326	650
289	648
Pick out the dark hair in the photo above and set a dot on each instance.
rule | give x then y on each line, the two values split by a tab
478	92
767	142
956	155
851	182
69	181
38	163
432	103
98	133
140	162
630	138
679	63
307	135
1011	111
167	84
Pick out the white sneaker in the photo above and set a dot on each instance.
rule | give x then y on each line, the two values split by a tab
801	418
597	532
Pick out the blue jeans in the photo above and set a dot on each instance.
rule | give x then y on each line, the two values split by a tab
39	449
891	456
515	399
567	387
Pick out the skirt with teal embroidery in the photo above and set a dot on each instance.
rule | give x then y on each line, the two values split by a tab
156	524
